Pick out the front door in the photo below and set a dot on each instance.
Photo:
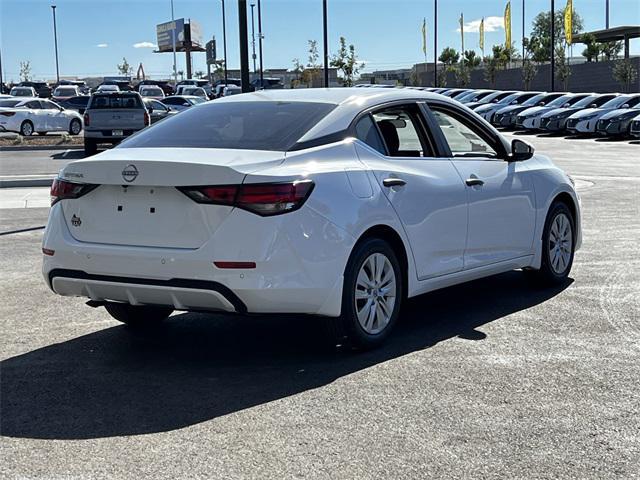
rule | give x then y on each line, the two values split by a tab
425	191
500	193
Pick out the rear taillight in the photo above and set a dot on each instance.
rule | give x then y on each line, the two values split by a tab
262	198
147	119
7	114
61	189
86	119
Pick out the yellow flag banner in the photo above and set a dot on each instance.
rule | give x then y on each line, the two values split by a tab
568	22
424	37
482	34
507	24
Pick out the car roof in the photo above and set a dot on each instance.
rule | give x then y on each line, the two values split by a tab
349	102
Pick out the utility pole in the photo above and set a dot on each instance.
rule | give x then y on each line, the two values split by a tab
244	48
224	43
1	77
260	36
607	16
173	39
326	43
553	46
523	11
435	43
55	39
253	39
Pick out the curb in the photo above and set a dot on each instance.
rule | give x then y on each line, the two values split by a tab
26	182
40	147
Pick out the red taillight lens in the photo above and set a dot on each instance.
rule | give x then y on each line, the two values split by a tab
263	198
86	120
61	189
7	114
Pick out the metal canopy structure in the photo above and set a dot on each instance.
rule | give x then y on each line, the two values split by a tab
612	35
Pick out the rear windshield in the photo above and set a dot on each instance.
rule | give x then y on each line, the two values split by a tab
273	126
65	91
115	101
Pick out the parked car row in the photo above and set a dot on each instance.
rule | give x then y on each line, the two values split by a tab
602	114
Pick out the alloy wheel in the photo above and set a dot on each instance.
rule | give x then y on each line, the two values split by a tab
560	243
375	293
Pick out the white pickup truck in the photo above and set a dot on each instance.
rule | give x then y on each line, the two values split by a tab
111	117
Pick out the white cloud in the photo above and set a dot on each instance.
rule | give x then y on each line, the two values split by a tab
145	45
491	24
102	45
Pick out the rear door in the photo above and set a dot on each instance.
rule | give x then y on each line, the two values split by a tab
500	194
425	191
56	120
37	115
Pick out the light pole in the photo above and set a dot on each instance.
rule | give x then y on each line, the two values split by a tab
253	38
55	40
260	42
523	29
244	47
325	41
553	45
1	77
435	43
224	42
607	14
173	38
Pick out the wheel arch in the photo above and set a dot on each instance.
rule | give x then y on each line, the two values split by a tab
393	238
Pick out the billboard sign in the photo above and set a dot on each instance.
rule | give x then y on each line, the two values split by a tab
194	33
211	52
165	32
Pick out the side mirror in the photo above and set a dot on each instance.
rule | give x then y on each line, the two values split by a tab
542	104
150	109
520	151
515	102
593	105
626	105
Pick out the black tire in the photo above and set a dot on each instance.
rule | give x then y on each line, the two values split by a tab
26	128
75	123
547	275
90	147
347	329
138	315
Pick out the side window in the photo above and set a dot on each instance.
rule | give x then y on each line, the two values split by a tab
158	106
34	104
368	133
463	140
400	127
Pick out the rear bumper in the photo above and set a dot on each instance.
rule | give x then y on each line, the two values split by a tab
106	134
300	259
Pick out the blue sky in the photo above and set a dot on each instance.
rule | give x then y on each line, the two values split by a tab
94	35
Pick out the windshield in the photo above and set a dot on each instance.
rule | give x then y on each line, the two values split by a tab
586	101
115	101
151	91
534	100
510	98
560	101
65	91
9	103
617	102
275	126
196	100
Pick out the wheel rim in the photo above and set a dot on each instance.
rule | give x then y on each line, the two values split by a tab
27	129
75	127
375	293
560	243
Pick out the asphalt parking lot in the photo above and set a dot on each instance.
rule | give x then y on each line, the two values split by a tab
492	379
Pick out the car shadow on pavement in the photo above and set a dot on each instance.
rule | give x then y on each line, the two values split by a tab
69	155
197	367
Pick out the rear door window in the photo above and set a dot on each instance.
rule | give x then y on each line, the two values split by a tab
367	131
401	131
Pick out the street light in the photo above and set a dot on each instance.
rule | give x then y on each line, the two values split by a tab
224	43
260	37
326	43
173	37
55	40
435	43
253	38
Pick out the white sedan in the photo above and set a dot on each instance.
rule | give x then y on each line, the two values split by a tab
333	202
27	116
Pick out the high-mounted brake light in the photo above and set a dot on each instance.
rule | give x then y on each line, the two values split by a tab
261	198
61	189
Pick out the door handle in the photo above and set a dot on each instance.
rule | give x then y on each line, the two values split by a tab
474	181
393	182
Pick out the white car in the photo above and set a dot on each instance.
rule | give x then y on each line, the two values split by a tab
585	121
27	116
334	202
531	117
178	103
65	92
23	92
188	90
151	91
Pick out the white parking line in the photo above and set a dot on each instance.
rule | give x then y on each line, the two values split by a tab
37	197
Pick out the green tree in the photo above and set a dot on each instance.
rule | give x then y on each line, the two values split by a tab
592	50
312	70
611	50
442	77
625	73
219	69
199	74
541	33
25	71
529	66
124	68
563	71
491	67
463	74
181	73
346	62
470	59
449	56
